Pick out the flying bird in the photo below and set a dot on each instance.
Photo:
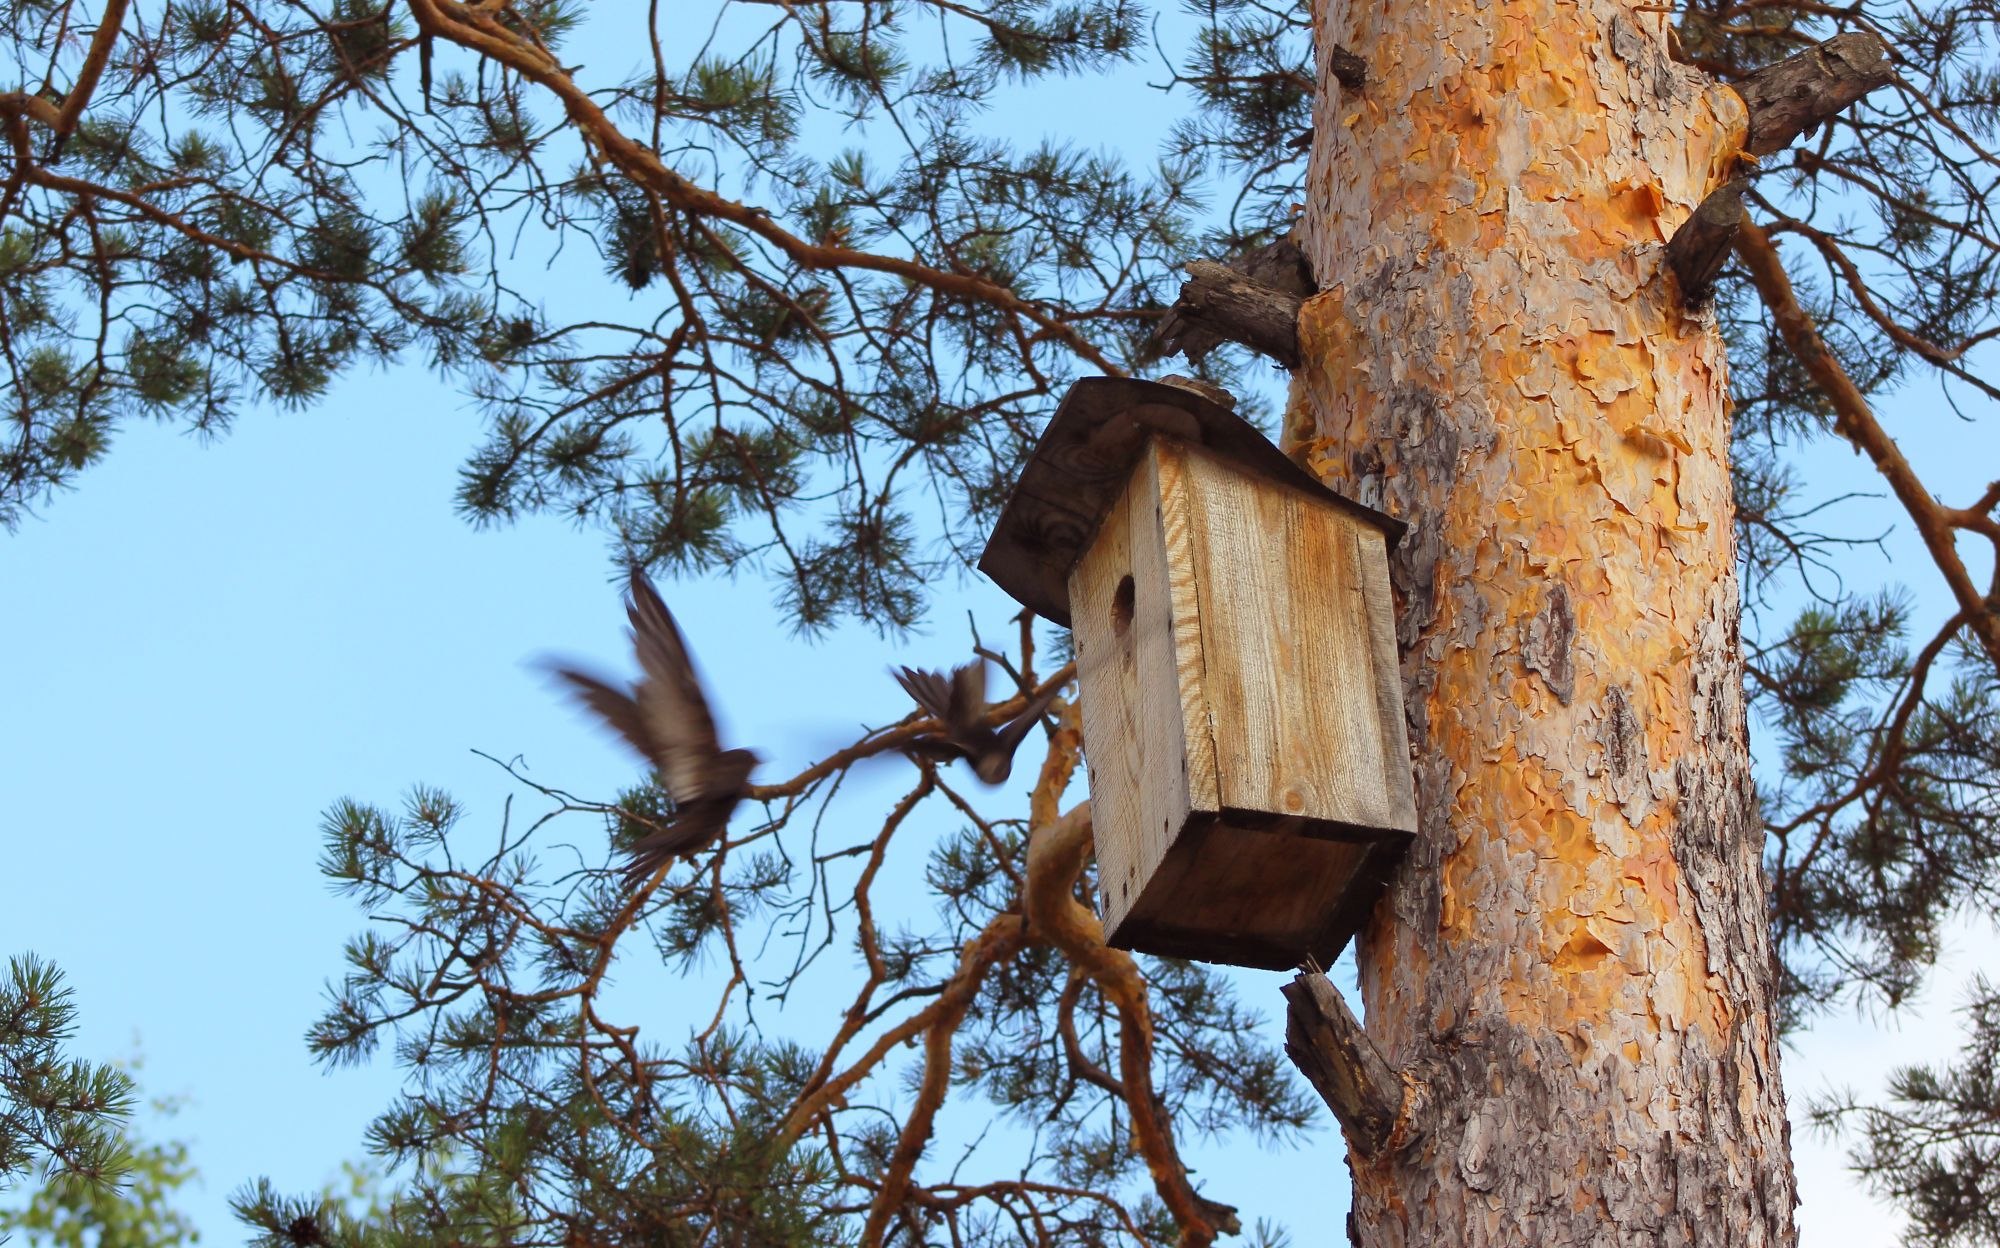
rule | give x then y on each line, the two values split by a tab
666	718
959	706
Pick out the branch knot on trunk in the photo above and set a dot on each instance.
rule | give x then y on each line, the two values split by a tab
1326	1042
1254	299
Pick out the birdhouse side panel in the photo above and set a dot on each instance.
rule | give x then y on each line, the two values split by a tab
1290	658
1222	895
1139	668
1399	786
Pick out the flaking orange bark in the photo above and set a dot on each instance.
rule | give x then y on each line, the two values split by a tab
1572	967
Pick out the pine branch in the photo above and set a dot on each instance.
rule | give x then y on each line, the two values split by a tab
1855	420
1003	935
1058	849
108	26
483	31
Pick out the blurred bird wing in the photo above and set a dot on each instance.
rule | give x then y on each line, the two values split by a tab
929	691
1011	735
670	703
615	707
968	695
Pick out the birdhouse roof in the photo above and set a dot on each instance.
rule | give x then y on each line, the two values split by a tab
1078	468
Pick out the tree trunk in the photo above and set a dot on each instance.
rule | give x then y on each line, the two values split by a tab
1571	970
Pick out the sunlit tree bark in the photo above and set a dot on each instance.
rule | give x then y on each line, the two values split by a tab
1572	971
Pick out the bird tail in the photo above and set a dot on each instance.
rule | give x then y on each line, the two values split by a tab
659	849
1017	729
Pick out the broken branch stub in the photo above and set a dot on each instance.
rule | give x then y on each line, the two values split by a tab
1254	299
1349	70
1784	100
1698	250
1217	303
1326	1042
1794	95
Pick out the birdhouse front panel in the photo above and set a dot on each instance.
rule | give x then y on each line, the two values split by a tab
1242	712
1147	742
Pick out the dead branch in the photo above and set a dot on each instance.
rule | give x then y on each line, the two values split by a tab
1791	97
1253	300
1330	1048
1698	250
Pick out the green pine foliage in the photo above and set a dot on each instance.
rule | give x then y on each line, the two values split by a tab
535	1112
137	1212
1935	1149
59	1115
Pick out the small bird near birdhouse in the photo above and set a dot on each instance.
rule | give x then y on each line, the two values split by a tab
665	717
959	707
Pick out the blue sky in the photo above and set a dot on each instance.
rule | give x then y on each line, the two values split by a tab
210	644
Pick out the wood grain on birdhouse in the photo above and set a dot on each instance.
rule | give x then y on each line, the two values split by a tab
1242	712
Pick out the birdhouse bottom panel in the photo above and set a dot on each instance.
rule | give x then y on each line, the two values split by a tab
1249	890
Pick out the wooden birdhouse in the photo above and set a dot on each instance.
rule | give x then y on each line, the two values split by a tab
1235	644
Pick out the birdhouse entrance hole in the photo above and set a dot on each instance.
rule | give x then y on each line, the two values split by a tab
1121	606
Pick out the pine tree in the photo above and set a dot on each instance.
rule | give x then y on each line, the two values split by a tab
137	1211
1528	233
59	1114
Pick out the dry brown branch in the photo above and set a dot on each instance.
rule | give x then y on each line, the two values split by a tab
1855	421
1058	849
1784	101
